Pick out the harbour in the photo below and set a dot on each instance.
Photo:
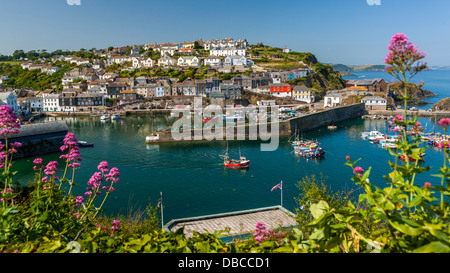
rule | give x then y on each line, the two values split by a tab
192	177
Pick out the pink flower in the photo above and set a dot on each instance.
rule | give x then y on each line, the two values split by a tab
444	122
398	118
103	166
51	168
348	158
38	161
427	185
395	129
358	170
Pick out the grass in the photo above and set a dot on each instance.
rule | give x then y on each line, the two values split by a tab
10	62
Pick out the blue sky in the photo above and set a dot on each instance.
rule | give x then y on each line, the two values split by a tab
336	31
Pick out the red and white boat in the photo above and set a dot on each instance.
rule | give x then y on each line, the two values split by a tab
242	162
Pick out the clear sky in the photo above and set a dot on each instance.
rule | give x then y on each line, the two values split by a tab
336	31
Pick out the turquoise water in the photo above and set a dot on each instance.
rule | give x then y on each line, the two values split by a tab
437	81
193	180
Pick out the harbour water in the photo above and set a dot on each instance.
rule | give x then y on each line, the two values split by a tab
193	180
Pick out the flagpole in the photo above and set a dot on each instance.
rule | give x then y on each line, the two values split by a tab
281	193
162	215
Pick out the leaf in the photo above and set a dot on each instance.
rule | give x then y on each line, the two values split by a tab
403	227
318	209
43	217
433	247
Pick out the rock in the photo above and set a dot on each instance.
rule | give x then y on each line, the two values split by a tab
442	105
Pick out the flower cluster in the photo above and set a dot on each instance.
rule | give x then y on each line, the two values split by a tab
402	55
262	234
444	122
114	227
73	155
7	195
8	121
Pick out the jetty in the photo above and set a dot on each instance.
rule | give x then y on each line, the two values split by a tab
39	138
419	113
238	222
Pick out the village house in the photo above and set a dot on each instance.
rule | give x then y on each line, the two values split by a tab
10	99
128	96
228	91
280	90
332	99
166	61
143	62
113	89
372	85
188	61
51	103
213	61
228	51
237	60
165	51
302	93
186	51
374	103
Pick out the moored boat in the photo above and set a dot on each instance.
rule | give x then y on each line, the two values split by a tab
105	116
242	162
82	143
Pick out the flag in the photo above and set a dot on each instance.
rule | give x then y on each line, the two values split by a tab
278	186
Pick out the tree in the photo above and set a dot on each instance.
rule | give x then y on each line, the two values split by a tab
18	54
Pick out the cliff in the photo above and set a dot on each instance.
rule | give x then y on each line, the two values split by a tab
442	105
417	93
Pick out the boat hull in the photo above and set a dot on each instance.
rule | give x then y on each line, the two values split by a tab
237	164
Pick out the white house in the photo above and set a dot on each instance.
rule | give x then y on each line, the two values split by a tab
374	103
332	100
167	51
227	51
213	61
188	61
143	62
51	103
167	61
10	99
159	90
237	60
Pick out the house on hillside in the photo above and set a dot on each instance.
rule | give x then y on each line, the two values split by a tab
372	85
188	61
280	89
10	99
374	103
302	93
332	99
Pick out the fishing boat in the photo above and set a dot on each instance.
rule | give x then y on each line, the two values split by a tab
84	144
332	127
370	134
242	162
310	152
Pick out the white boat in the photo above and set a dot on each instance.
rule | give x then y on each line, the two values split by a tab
152	137
115	117
105	117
